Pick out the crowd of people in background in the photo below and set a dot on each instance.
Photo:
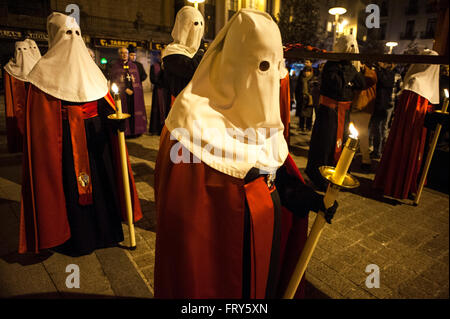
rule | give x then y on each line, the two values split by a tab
372	110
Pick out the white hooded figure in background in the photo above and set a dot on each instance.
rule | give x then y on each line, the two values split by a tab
23	61
401	163
347	44
15	83
34	48
219	221
181	57
423	79
69	201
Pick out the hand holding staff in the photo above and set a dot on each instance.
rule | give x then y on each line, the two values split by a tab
119	116
338	178
430	152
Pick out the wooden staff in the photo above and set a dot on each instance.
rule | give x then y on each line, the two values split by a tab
310	245
430	153
337	177
119	116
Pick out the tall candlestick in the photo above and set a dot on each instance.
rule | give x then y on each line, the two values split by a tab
430	152
330	196
119	116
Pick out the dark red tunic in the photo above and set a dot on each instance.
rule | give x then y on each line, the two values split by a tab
398	172
200	231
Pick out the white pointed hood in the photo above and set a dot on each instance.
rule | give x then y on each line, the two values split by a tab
187	33
67	71
348	44
23	62
34	49
229	114
423	79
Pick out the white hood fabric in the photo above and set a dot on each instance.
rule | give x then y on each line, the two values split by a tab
187	33
423	79
347	44
34	48
67	71
229	114
23	62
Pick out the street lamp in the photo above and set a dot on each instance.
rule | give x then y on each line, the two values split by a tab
391	45
196	2
336	11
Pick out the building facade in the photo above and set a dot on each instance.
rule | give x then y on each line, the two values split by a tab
106	25
410	23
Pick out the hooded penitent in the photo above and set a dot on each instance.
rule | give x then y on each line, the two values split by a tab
423	79
398	171
71	181
231	106
23	61
187	33
220	231
67	71
347	44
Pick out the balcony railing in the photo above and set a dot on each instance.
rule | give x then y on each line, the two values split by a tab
408	35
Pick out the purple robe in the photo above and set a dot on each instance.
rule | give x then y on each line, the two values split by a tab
126	75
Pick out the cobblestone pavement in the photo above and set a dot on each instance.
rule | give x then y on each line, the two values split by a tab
408	244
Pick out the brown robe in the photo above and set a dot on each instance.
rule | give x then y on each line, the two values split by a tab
15	100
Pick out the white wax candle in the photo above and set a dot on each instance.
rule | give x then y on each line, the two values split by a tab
118	104
343	164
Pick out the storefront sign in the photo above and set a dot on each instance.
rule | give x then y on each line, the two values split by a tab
8	34
112	43
37	36
157	46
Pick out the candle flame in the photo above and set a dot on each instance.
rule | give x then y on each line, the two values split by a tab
353	130
114	88
446	93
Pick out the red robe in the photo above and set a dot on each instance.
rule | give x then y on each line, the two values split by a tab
43	217
398	172
15	100
200	227
285	105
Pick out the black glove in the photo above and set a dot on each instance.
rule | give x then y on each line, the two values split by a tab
329	213
300	198
434	118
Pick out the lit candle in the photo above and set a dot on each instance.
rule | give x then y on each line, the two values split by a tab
346	157
115	89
